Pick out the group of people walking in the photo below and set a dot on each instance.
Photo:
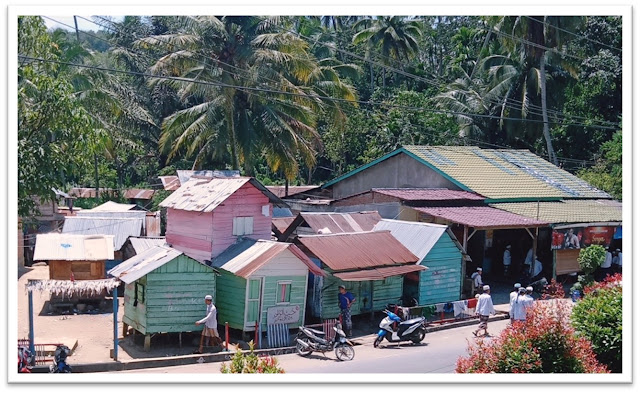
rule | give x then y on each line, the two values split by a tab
520	300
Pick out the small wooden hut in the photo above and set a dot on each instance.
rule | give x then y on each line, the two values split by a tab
164	291
262	282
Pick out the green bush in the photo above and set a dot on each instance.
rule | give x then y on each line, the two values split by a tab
591	258
251	364
598	317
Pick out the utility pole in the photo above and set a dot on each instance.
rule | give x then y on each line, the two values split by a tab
75	21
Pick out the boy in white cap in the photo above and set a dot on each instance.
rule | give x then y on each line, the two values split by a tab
477	280
484	309
210	330
512	298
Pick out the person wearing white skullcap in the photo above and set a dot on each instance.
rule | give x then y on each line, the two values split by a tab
477	280
506	260
512	298
210	330
484	309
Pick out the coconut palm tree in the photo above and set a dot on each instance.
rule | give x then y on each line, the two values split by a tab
252	89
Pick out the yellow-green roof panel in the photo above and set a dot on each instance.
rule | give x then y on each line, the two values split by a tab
567	211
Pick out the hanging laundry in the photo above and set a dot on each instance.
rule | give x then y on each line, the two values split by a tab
440	307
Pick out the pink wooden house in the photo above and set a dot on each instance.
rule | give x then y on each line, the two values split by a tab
206	215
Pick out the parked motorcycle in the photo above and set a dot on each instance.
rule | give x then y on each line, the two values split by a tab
25	360
309	340
60	365
411	330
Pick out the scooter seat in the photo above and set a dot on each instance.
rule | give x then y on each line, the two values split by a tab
316	332
412	321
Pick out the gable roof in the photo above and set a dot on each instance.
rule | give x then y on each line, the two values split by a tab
428	194
138	193
144	263
143	243
417	237
481	217
248	255
495	173
569	211
120	228
111	206
185	175
361	250
69	247
204	194
170	183
293	190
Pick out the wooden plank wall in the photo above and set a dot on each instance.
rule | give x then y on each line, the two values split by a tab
442	282
82	270
190	232
245	202
270	294
174	296
135	316
230	299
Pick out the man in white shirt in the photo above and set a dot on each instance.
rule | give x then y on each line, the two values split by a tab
484	309
210	330
618	261
512	298
477	280
605	266
518	311
506	260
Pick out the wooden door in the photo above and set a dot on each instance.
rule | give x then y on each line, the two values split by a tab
253	303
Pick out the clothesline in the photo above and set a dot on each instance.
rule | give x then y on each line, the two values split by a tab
69	288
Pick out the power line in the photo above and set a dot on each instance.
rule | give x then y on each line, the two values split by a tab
574	34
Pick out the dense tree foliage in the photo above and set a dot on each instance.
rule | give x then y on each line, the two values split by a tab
305	99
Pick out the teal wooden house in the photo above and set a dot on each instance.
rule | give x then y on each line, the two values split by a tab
371	265
436	248
164	291
262	282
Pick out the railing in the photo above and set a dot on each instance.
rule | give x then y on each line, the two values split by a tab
43	352
443	312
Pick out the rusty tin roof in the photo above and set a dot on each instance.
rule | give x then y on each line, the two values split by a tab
379	273
428	194
481	217
342	222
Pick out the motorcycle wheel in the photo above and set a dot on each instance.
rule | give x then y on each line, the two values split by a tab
302	350
345	352
377	342
417	339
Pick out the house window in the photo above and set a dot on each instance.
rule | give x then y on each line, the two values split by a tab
284	292
242	226
138	296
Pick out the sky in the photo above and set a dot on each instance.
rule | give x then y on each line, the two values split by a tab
68	20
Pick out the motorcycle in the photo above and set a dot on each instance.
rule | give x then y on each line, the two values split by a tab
309	340
413	330
60	365
25	360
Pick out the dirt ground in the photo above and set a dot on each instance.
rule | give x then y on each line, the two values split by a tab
92	332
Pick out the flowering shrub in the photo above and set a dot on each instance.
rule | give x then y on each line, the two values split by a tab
598	317
251	364
554	290
544	343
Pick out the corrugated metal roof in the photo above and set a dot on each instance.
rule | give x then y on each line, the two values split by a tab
282	223
185	175
348	251
428	194
68	247
481	217
80	192
111	206
417	237
143	243
248	255
121	228
342	222
170	183
144	263
568	211
205	194
138	193
379	273
504	173
293	190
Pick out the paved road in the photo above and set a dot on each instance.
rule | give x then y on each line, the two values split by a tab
437	354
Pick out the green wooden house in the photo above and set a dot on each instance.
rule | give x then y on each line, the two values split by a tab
264	282
371	265
436	248
164	291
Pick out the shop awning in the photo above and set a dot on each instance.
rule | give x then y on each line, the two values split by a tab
379	273
481	217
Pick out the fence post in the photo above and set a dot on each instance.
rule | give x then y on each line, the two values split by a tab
32	345
226	336
255	340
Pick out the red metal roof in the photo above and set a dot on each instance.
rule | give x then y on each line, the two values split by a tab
342	222
138	193
293	190
282	223
348	251
170	183
428	194
481	217
379	273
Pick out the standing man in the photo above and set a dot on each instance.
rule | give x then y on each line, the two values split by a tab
605	267
519	311
210	331
345	300
484	309
618	261
506	260
477	280
512	298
